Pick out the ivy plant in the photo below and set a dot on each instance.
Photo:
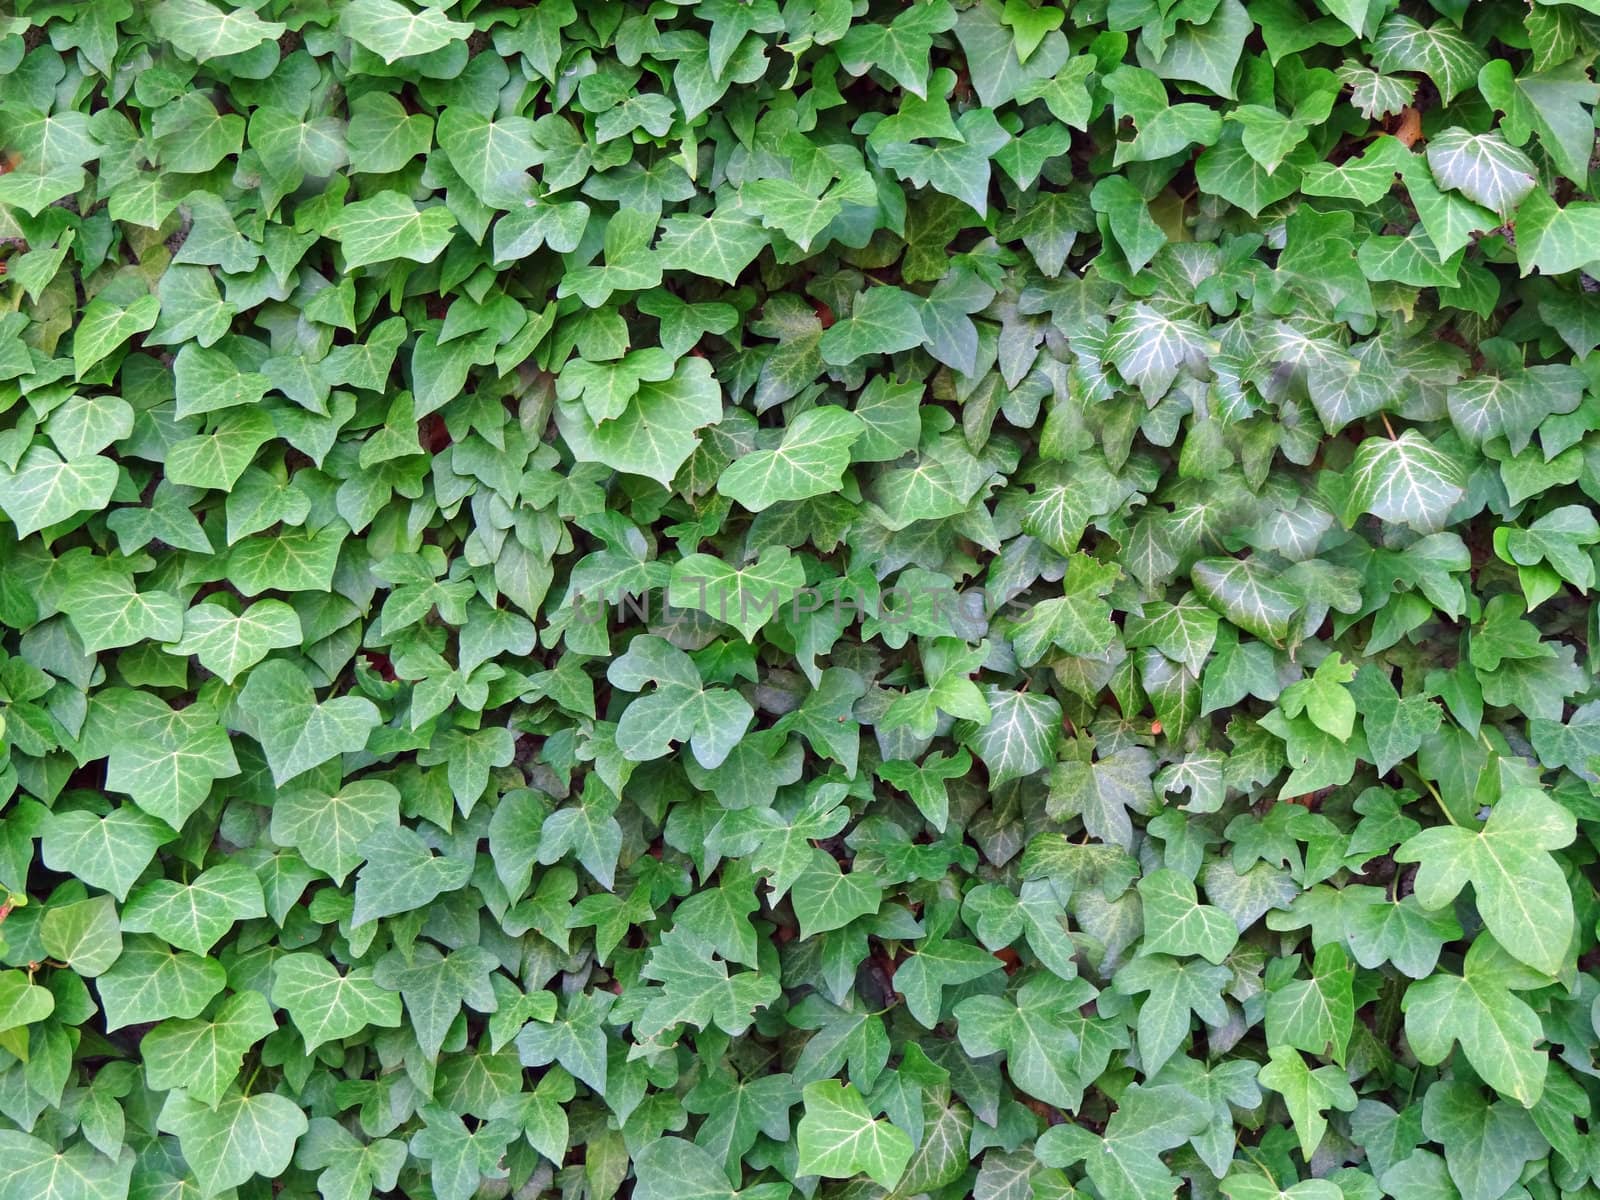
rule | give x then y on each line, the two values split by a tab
845	599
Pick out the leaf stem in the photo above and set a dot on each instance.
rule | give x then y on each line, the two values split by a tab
1439	800
1249	1152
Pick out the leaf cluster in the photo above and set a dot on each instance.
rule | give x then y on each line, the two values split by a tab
753	598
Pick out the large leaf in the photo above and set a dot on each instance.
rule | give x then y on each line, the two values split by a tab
295	731
42	490
390	226
1482	167
392	29
810	461
240	1138
1019	736
326	1005
1498	1032
35	1168
1405	481
329	830
203	1056
659	430
1520	887
203	31
838	1137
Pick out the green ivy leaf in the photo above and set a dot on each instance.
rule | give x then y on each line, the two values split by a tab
390	29
838	1137
1498	1032
193	916
327	1005
238	1139
1175	923
808	462
330	830
42	490
1520	888
1308	1093
35	1168
390	225
297	733
203	1056
1405	481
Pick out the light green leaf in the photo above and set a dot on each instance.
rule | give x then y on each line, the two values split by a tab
151	982
1308	1093
659	430
1176	923
935	965
1149	348
885	320
747	597
1513	406
1441	52
203	1056
86	935
1520	888
203	32
383	136
329	830
1248	594
193	916
349	1169
104	326
109	852
228	645
900	48
435	986
210	380
393	31
719	246
1020	736
1103	793
38	1170
296	733
108	610
493	156
1483	167
402	874
1078	621
86	425
1404	481
22	1003
1317	1014
826	898
674	1169
1556	240
838	1138
292	147
217	459
1498	1032
1206	53
327	1006
42	490
1035	1031
1126	1163
390	225
809	461
1486	1145
238	1139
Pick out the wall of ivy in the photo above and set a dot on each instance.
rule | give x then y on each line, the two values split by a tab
842	599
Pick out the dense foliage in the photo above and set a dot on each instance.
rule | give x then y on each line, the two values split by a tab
822	597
